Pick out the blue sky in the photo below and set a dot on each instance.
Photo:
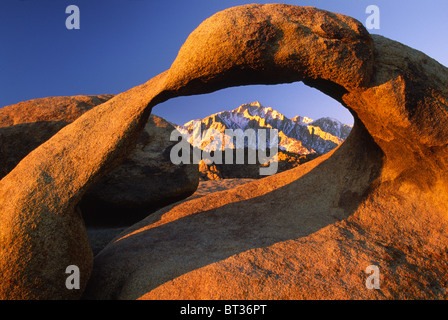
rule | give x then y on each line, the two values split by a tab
123	43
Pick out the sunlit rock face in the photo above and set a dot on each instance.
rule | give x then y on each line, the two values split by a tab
147	180
41	231
308	233
26	125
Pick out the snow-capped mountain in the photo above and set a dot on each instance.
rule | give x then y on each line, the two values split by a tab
300	135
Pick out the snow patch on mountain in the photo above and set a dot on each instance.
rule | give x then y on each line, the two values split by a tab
300	135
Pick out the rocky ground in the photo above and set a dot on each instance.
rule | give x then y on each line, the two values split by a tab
147	180
285	161
101	236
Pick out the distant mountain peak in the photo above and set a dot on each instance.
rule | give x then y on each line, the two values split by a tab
301	135
302	120
250	107
257	109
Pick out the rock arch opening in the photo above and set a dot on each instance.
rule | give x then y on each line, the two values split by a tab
307	122
342	203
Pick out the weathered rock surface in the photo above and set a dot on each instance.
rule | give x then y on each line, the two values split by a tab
26	125
271	44
310	232
144	182
101	236
66	109
285	161
380	198
41	233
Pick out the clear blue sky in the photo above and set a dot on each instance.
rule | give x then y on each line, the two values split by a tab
123	43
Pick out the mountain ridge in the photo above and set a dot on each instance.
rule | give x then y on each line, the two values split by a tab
299	134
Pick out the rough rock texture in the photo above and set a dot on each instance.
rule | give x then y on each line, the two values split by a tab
310	232
380	198
41	232
66	109
100	237
271	44
144	182
26	125
285	161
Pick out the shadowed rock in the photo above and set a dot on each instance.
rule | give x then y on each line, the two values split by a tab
26	125
41	232
310	232
144	182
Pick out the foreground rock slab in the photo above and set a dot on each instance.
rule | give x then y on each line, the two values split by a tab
41	233
100	237
144	182
26	125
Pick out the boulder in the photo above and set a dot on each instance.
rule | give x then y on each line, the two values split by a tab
315	231
285	161
65	109
100	236
26	125
144	182
41	232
